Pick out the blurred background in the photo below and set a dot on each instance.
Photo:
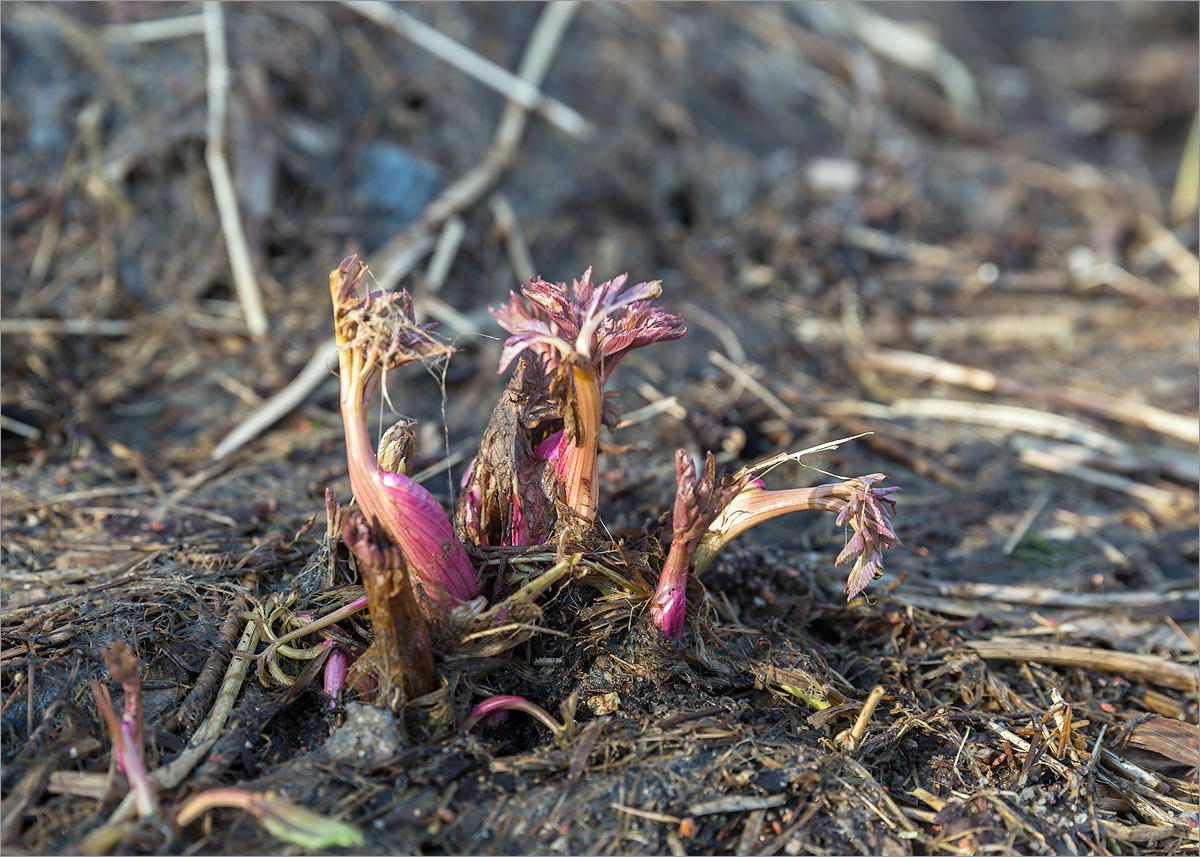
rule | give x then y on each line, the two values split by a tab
830	193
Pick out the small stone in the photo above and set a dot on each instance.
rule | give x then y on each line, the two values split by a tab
369	734
604	703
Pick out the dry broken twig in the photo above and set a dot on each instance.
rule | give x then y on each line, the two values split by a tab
514	87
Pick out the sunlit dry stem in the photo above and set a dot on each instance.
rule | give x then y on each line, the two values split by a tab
579	467
399	659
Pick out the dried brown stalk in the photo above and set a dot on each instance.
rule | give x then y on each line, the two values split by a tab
1140	667
398	662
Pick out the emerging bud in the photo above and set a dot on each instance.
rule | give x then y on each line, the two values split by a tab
337	666
580	333
698	501
857	502
397	448
126	732
374	335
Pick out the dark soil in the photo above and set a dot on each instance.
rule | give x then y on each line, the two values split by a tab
825	213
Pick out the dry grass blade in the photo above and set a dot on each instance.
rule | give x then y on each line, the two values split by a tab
67	326
1176	462
314	372
737	803
158	30
913	47
510	230
1159	498
221	177
742	375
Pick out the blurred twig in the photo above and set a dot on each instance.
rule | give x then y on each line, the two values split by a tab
157	30
293	394
1143	667
402	253
444	252
929	368
742	375
513	236
222	180
393	261
67	326
1177	463
1159	498
1163	244
1187	182
908	46
1023	525
516	88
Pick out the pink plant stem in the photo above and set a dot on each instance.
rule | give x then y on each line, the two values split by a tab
511	702
754	505
126	732
579	466
670	601
395	504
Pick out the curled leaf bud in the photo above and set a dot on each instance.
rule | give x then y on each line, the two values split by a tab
699	499
397	448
